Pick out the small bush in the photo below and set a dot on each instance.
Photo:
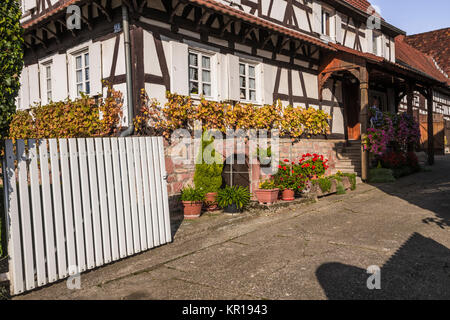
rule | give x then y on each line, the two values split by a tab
208	176
324	184
381	175
192	194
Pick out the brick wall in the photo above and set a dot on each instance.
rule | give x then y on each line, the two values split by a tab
180	168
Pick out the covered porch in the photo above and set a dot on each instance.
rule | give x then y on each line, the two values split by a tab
369	80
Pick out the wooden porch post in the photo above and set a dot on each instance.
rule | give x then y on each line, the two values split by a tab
409	98
430	127
363	119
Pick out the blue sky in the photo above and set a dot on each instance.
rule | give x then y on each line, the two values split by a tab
415	16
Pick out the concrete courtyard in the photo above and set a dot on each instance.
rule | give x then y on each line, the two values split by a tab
306	251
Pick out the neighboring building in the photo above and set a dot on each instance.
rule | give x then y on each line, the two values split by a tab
319	54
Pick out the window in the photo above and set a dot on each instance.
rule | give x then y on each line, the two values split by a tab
48	80
82	79
200	74
326	23
247	81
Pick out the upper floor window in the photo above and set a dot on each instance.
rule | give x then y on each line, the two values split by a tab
247	81
82	80
200	68
48	81
326	23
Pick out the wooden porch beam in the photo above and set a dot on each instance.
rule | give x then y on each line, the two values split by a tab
364	119
430	127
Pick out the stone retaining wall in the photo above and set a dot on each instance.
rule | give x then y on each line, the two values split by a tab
181	168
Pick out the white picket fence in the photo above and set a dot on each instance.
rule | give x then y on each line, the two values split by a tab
77	204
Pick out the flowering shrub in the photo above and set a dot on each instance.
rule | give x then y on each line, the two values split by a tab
313	165
387	129
295	175
408	131
392	160
290	176
412	160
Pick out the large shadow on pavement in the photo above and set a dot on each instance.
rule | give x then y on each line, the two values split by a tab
420	269
427	190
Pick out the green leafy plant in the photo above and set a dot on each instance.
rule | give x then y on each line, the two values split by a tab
382	175
208	176
340	189
324	184
11	60
350	176
240	196
190	193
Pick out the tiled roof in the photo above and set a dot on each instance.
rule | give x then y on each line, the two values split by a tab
362	5
417	59
228	10
63	5
434	43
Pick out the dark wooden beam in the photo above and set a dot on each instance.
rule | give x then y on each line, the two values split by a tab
430	127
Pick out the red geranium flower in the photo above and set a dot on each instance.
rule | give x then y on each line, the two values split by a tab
286	160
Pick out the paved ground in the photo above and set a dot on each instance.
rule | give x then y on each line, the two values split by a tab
315	251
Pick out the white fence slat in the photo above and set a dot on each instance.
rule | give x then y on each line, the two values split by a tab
146	186
158	185
140	194
74	204
153	201
25	215
15	242
165	197
118	197
47	209
103	199
111	201
133	199
77	209
58	209
87	211
68	211
126	195
38	231
96	223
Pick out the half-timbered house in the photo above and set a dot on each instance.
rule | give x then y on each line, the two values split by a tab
337	55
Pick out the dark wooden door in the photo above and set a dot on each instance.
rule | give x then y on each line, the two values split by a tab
352	108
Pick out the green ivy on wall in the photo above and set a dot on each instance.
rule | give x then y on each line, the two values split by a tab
11	60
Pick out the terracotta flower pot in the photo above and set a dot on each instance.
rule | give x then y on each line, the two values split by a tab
267	196
288	195
211	201
192	209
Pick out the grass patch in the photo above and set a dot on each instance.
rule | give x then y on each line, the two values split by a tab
381	175
340	189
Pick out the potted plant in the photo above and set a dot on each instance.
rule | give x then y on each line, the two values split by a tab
289	179
233	199
267	192
208	173
192	199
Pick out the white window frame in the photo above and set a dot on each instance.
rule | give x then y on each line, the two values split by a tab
247	64
331	21
48	81
212	72
85	81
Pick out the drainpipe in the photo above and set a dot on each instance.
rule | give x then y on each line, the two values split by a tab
126	36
